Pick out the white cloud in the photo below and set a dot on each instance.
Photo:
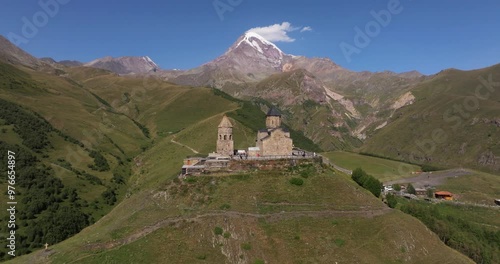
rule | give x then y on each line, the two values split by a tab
278	32
304	29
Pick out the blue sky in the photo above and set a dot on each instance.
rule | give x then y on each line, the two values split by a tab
427	36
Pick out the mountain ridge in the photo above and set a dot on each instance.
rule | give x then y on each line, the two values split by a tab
12	54
125	64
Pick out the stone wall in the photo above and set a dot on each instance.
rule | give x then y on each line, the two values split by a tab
268	165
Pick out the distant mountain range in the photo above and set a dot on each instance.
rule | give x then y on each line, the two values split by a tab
354	103
125	65
335	107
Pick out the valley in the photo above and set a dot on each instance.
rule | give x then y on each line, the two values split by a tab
100	146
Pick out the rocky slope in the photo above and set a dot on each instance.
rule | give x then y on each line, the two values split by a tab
353	104
10	53
125	65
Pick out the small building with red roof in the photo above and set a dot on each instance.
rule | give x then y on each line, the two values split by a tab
444	195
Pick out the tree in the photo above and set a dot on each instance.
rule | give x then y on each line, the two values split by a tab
391	200
109	196
397	187
374	186
410	189
357	174
367	181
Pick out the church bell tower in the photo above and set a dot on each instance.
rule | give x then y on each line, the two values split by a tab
225	143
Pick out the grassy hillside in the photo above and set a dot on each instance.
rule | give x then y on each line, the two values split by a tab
79	132
382	169
94	142
51	189
472	230
66	172
251	218
477	187
449	125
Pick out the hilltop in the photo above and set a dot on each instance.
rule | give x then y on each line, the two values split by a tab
248	218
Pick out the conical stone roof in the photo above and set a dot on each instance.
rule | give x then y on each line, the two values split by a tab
225	122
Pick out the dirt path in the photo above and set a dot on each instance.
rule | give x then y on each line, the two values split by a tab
431	178
202	121
328	162
180	144
270	217
59	166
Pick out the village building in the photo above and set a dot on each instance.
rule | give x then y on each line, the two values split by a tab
444	195
420	191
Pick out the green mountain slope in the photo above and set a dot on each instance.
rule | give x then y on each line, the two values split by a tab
454	122
100	125
247	218
80	130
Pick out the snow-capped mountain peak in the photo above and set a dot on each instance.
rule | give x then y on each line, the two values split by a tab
149	60
256	41
252	53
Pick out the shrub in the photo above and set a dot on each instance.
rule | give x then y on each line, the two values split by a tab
427	167
410	189
225	207
227	235
259	261
339	242
297	181
109	196
100	163
246	246
190	179
218	230
391	200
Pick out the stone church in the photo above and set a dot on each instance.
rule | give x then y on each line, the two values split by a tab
274	140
